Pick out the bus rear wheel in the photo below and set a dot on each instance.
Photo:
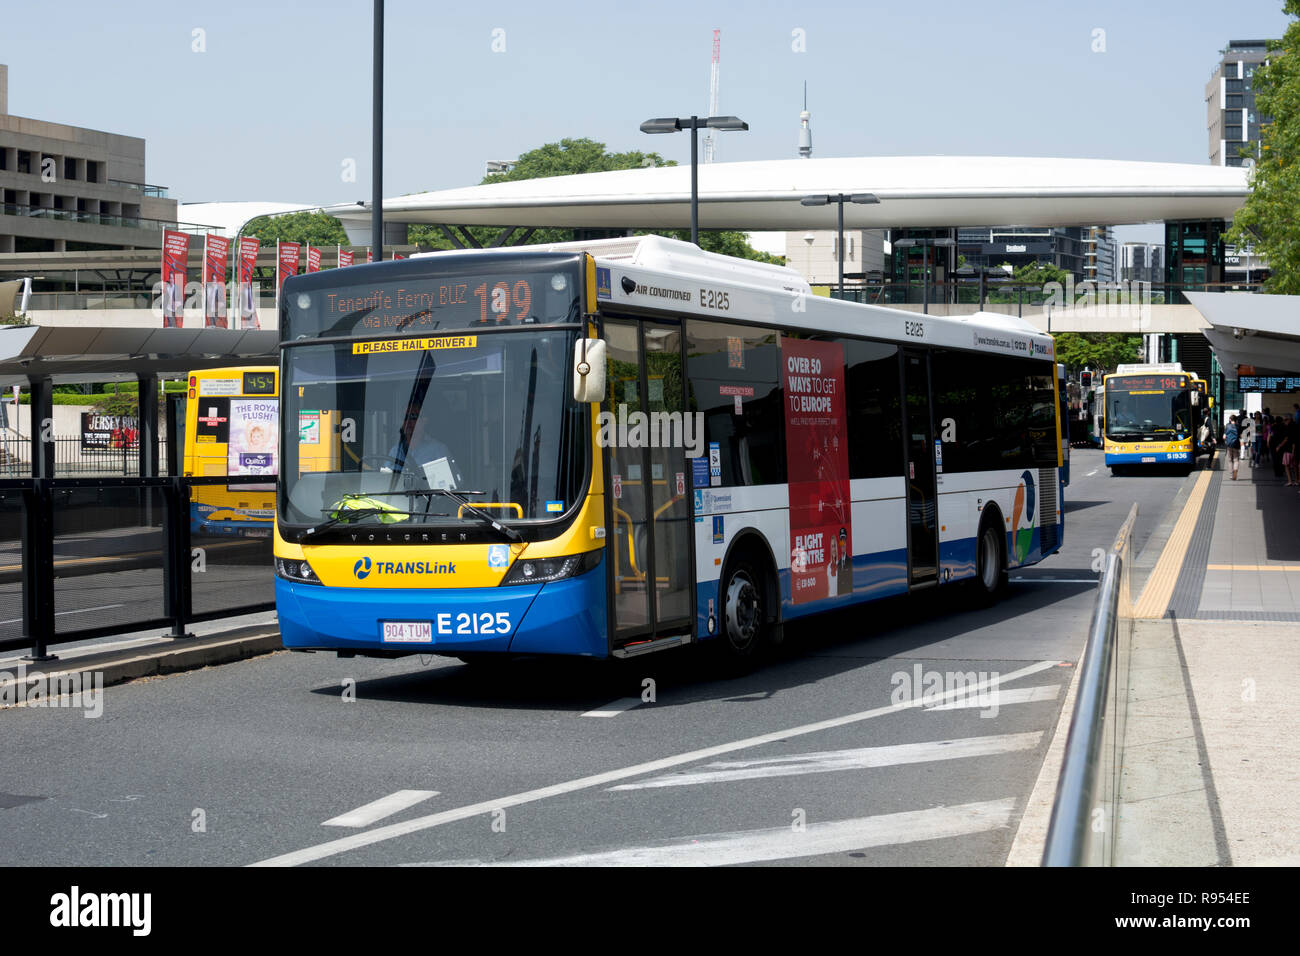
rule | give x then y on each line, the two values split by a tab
990	566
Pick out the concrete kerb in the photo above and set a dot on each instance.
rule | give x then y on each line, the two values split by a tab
128	664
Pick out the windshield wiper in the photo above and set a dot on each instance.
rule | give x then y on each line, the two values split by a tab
509	532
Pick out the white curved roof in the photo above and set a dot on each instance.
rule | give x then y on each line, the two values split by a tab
232	216
913	191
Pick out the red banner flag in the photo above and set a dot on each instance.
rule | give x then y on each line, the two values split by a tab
370	256
345	257
286	259
313	259
817	462
247	294
176	252
216	253
396	257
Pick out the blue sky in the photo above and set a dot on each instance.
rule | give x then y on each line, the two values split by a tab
280	97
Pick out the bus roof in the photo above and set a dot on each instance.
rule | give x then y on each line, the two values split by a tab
670	275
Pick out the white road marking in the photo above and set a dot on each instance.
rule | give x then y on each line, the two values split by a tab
84	610
343	844
615	708
782	843
1046	580
861	758
1091	473
378	809
1000	698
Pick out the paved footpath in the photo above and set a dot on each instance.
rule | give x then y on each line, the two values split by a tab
1211	757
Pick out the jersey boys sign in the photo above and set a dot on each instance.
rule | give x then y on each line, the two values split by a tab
817	462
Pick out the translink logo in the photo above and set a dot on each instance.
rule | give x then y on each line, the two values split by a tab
364	566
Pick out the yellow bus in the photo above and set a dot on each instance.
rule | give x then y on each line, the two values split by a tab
232	428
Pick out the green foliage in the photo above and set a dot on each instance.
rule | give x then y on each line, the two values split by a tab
310	228
1268	221
1039	273
1099	351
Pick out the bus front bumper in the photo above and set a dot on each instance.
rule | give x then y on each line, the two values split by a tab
562	617
1149	458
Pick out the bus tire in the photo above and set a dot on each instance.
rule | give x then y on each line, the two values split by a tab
745	627
990	562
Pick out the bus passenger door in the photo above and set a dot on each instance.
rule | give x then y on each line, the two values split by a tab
922	504
649	539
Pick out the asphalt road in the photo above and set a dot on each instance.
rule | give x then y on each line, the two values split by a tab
817	757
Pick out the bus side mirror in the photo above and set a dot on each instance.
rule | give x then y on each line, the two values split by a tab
589	370
1196	399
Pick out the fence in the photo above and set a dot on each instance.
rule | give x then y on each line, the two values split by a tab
1083	827
83	558
72	459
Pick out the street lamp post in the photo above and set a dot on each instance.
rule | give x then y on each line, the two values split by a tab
672	124
840	199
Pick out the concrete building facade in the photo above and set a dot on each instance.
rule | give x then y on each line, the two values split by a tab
67	188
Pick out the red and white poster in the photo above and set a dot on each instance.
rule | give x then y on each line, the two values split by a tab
246	292
370	256
216	254
313	259
176	252
345	257
286	263
817	462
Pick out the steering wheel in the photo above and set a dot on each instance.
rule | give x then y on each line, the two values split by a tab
383	461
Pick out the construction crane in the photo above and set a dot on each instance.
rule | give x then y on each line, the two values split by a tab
713	95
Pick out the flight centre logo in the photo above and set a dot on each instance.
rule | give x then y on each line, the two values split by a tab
1024	505
363	568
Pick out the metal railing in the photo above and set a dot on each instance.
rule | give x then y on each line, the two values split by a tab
102	219
1082	831
72	459
83	558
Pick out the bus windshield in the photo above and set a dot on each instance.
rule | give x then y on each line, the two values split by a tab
384	427
1141	408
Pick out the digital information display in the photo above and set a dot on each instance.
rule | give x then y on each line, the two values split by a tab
415	305
1268	383
1146	383
259	383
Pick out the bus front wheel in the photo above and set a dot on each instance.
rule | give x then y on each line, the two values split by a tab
744	620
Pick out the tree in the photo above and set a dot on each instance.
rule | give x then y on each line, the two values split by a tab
1040	273
310	228
570	157
1268	220
1099	351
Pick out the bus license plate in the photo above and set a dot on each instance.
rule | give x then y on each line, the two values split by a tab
407	632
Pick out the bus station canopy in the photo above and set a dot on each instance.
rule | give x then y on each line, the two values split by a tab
914	191
1246	329
75	354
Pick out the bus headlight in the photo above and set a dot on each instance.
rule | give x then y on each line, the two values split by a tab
292	569
545	570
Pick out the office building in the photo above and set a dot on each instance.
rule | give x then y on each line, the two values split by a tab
1231	118
70	189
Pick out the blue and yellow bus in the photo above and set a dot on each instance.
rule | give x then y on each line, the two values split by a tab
1152	412
611	448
